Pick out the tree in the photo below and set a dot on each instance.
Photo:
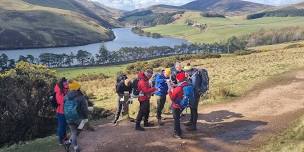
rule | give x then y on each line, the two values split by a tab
103	56
22	58
11	64
83	57
3	61
30	58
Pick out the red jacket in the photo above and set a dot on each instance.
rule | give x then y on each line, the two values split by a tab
144	87
60	99
177	94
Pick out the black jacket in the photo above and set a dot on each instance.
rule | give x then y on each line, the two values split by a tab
121	88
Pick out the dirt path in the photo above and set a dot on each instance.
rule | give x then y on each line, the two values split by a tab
241	125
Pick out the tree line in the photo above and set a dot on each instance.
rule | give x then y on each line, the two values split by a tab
125	54
291	12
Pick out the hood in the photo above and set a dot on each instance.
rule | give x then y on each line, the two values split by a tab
72	94
57	89
141	75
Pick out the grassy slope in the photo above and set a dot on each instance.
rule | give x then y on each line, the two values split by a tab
37	26
221	28
231	73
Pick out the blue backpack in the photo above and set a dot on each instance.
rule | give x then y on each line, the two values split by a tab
70	111
188	96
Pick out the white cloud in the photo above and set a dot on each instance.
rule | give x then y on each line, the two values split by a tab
135	4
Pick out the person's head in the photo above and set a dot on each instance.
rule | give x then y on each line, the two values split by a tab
74	85
63	84
178	66
188	67
149	73
181	77
167	72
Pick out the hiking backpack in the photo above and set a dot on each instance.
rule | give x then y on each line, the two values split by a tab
188	96
135	91
121	77
200	81
71	111
53	100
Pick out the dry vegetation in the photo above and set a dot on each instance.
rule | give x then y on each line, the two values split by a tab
231	75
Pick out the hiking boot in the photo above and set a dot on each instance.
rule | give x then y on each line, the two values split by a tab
76	149
177	136
191	128
160	123
115	124
189	123
67	145
139	128
148	124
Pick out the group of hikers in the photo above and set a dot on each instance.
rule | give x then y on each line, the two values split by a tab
184	85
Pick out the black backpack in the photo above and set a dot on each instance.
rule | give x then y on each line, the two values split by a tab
121	77
200	81
134	84
53	100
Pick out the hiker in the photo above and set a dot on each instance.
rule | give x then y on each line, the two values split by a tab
123	90
200	82
145	93
162	85
176	70
177	94
61	89
76	113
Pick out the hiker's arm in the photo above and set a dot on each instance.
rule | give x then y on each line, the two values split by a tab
146	89
84	107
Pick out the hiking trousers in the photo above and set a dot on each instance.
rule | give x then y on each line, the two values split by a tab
144	111
161	100
176	117
74	132
61	127
194	110
122	106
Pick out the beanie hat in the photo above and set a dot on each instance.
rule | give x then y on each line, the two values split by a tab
181	76
74	86
168	71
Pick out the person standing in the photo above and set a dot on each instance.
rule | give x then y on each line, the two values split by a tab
162	87
61	89
176	70
177	95
200	82
76	112
123	90
145	93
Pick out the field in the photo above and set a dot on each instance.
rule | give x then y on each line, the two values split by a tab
75	72
220	29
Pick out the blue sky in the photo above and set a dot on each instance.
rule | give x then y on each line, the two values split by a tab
135	4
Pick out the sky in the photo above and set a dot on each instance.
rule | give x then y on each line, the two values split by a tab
135	4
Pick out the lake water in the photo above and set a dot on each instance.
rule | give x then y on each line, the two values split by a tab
124	38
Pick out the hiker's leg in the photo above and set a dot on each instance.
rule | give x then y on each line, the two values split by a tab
140	114
161	100
146	111
118	111
61	128
176	116
73	138
195	109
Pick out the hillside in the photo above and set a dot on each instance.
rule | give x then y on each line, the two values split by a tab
229	7
28	26
220	29
103	15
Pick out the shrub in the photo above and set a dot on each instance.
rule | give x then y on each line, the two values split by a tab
90	77
25	110
292	46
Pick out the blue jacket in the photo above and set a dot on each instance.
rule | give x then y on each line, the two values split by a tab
161	84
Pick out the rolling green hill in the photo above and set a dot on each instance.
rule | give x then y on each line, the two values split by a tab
24	25
219	29
230	7
103	15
